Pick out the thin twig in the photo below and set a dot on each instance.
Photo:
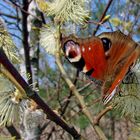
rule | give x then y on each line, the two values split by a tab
103	15
85	86
14	4
9	16
73	88
101	114
70	95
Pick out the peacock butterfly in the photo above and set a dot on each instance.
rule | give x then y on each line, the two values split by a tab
107	57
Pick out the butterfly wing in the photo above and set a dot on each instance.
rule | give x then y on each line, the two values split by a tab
107	57
87	55
120	57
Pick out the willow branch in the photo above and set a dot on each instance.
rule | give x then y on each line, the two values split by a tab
15	5
14	133
103	15
9	16
70	95
84	87
34	96
101	114
73	88
25	41
79	98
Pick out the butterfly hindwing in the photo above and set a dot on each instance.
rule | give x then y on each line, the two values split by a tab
122	55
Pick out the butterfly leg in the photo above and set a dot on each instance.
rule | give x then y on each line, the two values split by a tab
112	90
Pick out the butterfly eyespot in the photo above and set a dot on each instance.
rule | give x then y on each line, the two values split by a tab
106	43
72	54
67	44
72	51
89	48
83	49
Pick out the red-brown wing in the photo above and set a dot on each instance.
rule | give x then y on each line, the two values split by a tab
107	57
94	56
87	55
120	57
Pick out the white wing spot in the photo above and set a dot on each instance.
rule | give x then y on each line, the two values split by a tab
83	49
89	48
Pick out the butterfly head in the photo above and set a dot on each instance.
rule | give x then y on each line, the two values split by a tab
71	46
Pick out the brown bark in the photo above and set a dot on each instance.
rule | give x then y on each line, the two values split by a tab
12	130
34	96
25	40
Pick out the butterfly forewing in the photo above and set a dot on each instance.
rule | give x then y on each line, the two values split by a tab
91	59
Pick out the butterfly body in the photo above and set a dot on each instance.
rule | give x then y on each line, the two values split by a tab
107	58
